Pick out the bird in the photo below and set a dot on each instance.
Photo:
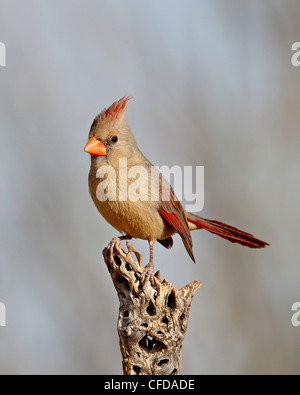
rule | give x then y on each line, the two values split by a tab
110	142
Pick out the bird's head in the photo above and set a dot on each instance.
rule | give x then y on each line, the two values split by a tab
110	135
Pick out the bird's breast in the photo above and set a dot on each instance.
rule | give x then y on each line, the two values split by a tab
124	200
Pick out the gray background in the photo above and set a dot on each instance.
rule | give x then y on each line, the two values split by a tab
212	85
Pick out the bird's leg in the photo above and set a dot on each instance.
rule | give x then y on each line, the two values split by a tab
115	244
148	273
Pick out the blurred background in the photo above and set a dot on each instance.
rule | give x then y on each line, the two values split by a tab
212	85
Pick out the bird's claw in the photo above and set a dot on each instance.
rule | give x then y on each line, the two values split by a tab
148	275
115	243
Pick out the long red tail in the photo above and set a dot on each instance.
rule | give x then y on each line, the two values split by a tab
226	231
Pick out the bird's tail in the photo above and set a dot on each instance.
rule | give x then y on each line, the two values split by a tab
226	231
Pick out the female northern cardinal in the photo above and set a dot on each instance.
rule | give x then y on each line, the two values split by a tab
110	139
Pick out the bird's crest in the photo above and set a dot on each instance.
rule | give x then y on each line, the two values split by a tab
116	110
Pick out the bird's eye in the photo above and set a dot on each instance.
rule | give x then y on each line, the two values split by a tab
114	139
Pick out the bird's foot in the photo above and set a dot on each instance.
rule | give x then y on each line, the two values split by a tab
116	243
148	275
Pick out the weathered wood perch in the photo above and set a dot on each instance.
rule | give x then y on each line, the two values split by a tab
152	319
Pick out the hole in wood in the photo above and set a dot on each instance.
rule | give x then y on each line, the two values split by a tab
150	344
128	267
182	317
126	314
122	281
172	300
117	260
145	325
136	369
151	309
159	332
174	372
165	320
162	362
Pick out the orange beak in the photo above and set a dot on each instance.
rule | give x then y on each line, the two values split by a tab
95	147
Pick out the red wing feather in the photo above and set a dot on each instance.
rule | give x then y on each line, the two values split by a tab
171	210
175	222
180	228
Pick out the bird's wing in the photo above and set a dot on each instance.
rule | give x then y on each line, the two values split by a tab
172	211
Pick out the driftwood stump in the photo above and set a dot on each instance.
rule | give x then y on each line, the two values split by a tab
152	319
